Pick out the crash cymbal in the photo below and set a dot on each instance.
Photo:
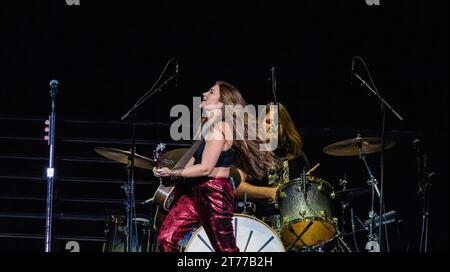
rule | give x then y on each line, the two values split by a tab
171	157
122	156
357	146
351	193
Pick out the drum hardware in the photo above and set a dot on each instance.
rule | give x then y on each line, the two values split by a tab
139	161
116	234
341	241
302	212
360	147
320	187
424	183
344	204
345	195
372	244
276	223
244	205
387	218
131	159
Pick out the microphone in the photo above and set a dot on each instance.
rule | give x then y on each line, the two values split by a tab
416	144
54	83
53	87
353	71
176	74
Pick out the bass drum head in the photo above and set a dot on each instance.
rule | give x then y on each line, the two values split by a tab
252	235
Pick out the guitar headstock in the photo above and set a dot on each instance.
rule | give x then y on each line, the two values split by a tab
158	152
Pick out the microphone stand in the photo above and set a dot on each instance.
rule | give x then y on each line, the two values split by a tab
384	104
274	84
50	170
424	196
130	205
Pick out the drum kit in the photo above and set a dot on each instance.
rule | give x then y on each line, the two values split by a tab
307	219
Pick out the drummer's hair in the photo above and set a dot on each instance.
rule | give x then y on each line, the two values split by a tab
289	138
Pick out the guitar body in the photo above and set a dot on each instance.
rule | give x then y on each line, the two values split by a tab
164	198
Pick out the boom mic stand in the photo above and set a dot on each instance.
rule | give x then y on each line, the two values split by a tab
130	205
384	105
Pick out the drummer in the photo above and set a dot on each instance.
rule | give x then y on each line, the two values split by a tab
290	163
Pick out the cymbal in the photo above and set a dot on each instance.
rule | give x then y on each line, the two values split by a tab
122	156
352	193
357	146
171	157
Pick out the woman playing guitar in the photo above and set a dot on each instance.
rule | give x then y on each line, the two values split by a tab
210	200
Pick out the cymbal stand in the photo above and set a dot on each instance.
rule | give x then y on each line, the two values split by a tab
372	245
424	195
344	202
344	205
342	242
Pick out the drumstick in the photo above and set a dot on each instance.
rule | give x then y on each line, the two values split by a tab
312	169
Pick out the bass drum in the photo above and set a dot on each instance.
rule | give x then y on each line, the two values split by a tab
252	235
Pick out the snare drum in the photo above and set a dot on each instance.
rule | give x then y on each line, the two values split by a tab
252	235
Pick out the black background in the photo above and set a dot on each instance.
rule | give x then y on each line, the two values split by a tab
106	54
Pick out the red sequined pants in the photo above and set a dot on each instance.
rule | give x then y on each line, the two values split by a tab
210	204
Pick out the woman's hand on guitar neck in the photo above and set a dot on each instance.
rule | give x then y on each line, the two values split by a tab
162	172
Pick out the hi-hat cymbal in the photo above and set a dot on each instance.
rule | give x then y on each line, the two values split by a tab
358	146
122	156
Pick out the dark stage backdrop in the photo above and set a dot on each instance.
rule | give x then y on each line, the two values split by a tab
106	54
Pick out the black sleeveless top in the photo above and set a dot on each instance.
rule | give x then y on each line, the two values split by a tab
225	160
